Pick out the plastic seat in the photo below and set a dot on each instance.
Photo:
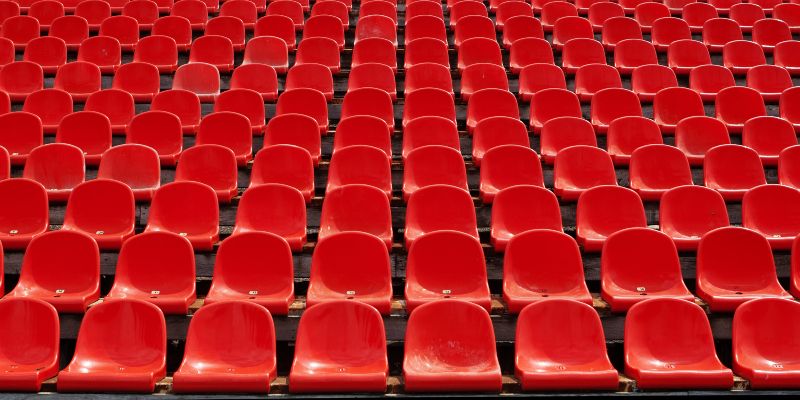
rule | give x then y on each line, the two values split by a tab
462	9
755	357
473	26
214	50
73	30
319	50
785	55
246	102
335	275
672	105
326	26
334	8
768	136
140	79
745	14
369	101
21	78
20	132
425	131
47	51
726	279
7	55
490	102
736	105
144	11
686	225
578	168
545	339
555	10
25	212
512	214
288	9
548	104
562	132
769	32
159	130
374	26
193	10
374	50
230	130
787	167
428	102
601	11
50	105
287	221
211	164
732	170
134	165
373	75
360	164
497	131
580	52
508	165
267	282
766	209
708	80
115	104
88	130
232	359
529	51
246	11
304	101
103	210
788	110
536	77
647	80
592	78
686	54
437	329
617	29
656	168
661	361
176	27
647	13
424	26
278	26
200	78
59	167
667	30
769	80
511	9
632	53
719	31
183	104
624	283
340	346
30	343
433	165
788	13
186	208
697	13
626	134
124	29
9	9
612	103
568	28
103	51
229	27
94	12
597	205
424	50
20	29
695	136
160	51
741	55
521	27
269	51
439	207
138	358
767	5
295	129
80	79
479	50
270	164
417	8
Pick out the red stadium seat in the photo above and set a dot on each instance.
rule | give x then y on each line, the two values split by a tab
626	134
288	9
374	50
433	329
578	168
94	12
79	79
473	26
270	164
59	167
647	80
214	50
417	8
513	214
30	343
426	50
497	131
683	359
244	10
754	356
686	54
769	80
788	110
144	11
326	26
617	29
767	209
736	105
369	101
694	136
47	51
159	130
229	27
89	131
529	51
667	30
373	75
7	55
599	12
464	8
521	27
103	51
439	207
374	26
785	55
479	50
491	102
20	29
189	209
647	13
511	9
258	77
296	129
672	105
183	103
686	225
115	104
193	10
176	27
287	221
10	9
789	13
604	210
140	361
656	168
379	7
787	167
592	78
71	29
562	132
20	132
340	346
278	26
304	101
732	170
719	31
124	29
735	265
334	8
319	50
610	104
336	275
508	165
265	278
267	50
211	164
228	129
161	51
362	130
536	77
360	164
580	52
424	26
625	284
708	80
769	32
50	105
246	102
632	53
432	130
228	360
433	165
546	334
24	210
134	165
553	103
200	78
745	14
555	10
741	55
21	78
568	28
767	5
103	210
768	136
140	79
428	102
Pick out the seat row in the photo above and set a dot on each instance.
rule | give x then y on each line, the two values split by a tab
545	334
